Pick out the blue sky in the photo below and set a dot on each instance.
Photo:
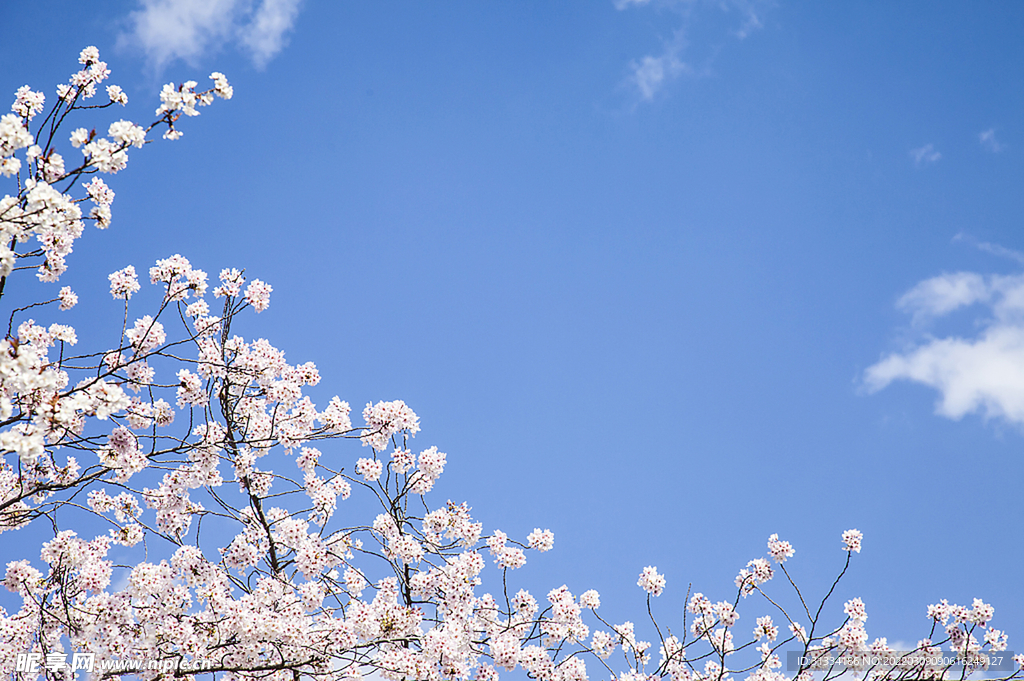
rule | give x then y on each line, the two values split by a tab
666	277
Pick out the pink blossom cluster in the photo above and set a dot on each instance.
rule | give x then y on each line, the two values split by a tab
385	419
41	209
651	582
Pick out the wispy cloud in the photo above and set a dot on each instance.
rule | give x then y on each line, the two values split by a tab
988	140
265	34
652	72
167	30
994	249
751	20
939	296
925	155
983	374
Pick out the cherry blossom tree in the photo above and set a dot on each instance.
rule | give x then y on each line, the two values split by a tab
141	445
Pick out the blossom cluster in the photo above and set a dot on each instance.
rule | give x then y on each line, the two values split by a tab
43	210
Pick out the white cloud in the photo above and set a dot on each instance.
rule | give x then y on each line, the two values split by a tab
265	35
1001	251
984	374
180	29
186	29
651	73
752	22
993	249
941	295
925	155
988	140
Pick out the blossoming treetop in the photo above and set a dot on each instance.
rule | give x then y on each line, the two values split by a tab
174	427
